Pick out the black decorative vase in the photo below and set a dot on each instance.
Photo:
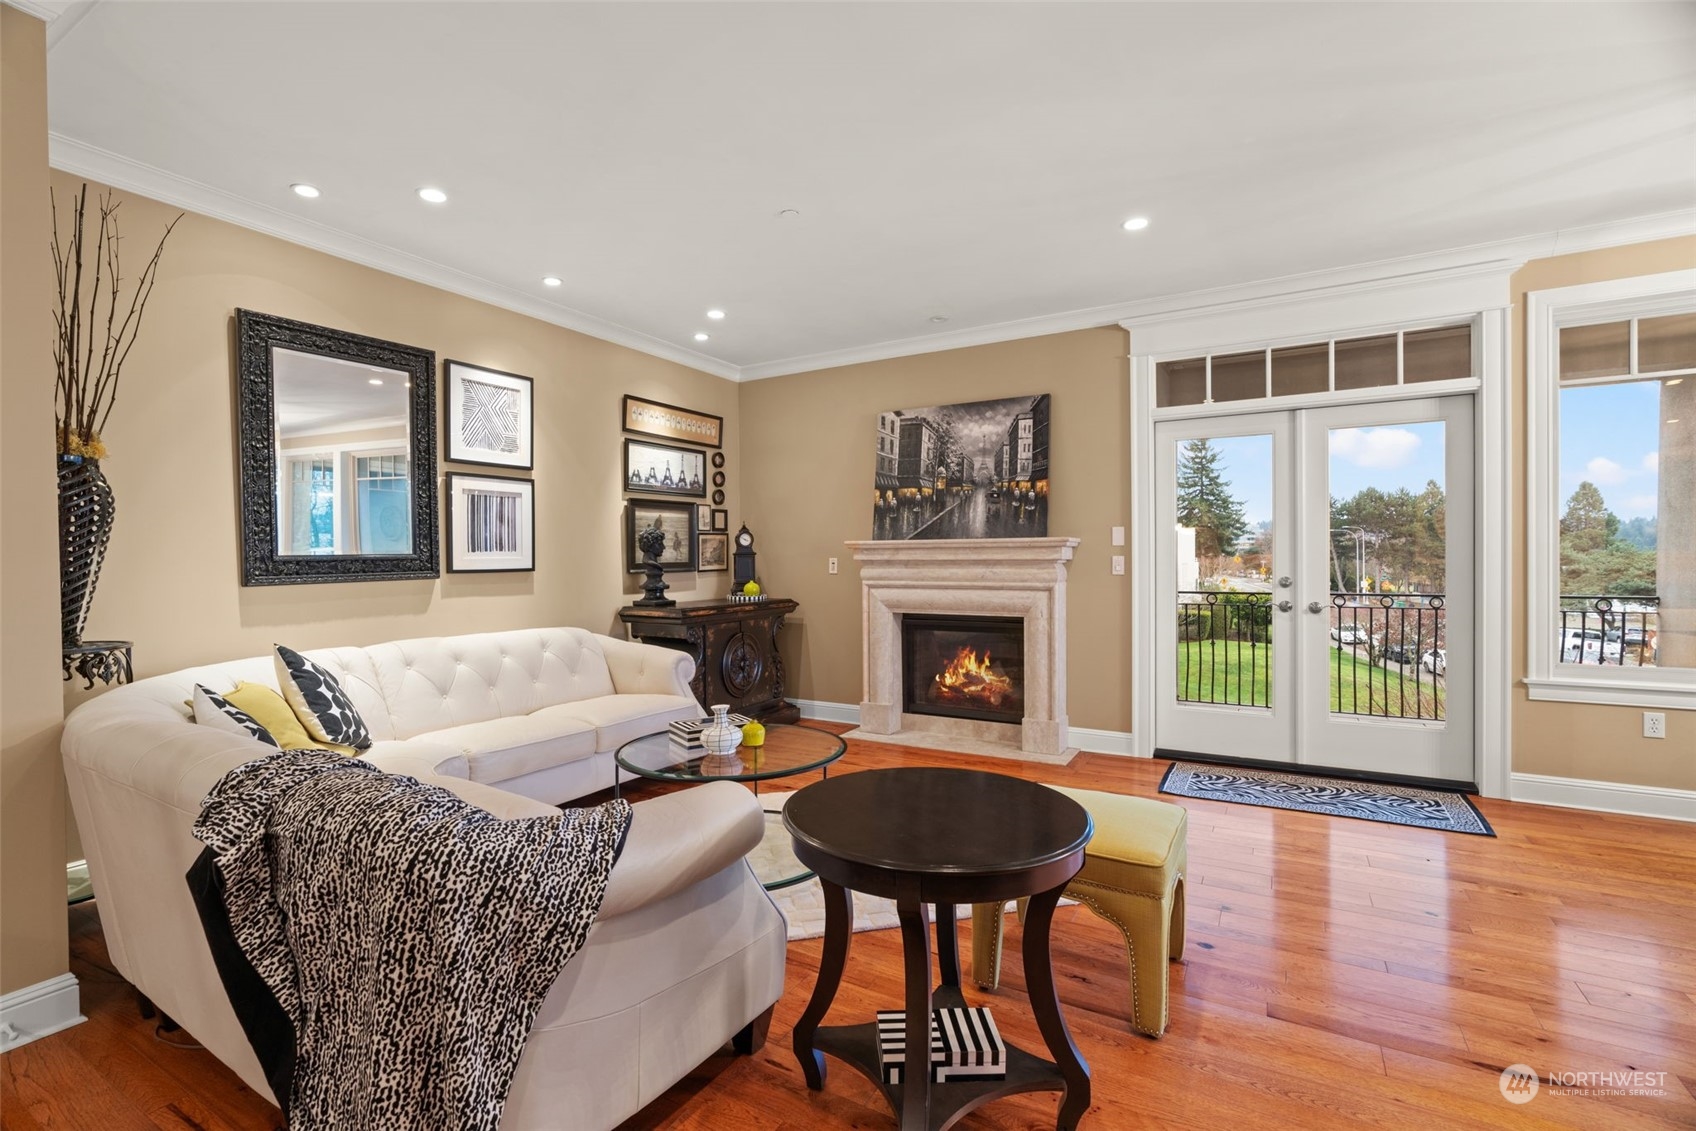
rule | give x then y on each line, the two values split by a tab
86	512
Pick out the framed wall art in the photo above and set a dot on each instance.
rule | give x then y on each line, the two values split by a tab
667	421
721	519
491	524
703	516
675	520
489	417
718	498
661	469
718	459
714	553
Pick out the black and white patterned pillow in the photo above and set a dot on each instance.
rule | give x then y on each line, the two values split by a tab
213	710
319	701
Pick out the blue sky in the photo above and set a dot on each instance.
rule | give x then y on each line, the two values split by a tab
1609	435
1388	458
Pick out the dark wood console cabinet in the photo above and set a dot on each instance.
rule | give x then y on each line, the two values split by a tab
734	646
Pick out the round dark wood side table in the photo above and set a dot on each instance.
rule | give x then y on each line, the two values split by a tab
924	836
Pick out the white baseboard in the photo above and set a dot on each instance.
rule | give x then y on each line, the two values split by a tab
827	711
1084	738
1605	797
35	1011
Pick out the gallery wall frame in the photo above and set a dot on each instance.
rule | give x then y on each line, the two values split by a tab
670	422
676	520
664	469
713	553
721	519
488	416
491	523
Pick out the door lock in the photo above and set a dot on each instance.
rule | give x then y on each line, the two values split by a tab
1315	607
1285	606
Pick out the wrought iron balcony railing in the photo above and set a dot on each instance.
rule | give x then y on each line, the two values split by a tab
1608	629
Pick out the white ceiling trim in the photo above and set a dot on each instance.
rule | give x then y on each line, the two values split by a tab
75	157
1480	260
72	156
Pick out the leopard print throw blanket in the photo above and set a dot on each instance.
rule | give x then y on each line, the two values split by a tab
409	935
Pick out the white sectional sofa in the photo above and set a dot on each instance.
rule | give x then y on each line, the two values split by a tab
688	948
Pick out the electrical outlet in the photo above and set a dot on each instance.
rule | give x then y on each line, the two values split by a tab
832	565
1654	724
1118	565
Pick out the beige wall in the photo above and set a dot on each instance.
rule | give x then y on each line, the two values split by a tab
1574	740
172	580
32	784
810	460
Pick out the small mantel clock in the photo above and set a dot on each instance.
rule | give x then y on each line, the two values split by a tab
742	568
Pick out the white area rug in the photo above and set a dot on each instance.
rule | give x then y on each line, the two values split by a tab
802	904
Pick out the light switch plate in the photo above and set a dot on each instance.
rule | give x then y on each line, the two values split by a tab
1118	565
1118	535
832	565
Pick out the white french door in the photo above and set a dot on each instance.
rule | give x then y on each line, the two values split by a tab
1314	573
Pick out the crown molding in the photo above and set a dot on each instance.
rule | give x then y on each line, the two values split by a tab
80	159
1479	262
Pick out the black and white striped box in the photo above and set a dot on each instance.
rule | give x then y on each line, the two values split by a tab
964	1045
686	733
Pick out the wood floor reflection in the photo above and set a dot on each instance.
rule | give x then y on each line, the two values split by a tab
1339	974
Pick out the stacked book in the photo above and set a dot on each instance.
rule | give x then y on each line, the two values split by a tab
686	733
964	1045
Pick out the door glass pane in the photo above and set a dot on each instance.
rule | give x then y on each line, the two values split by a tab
1388	544
1442	354
1366	363
1223	547
311	505
385	504
1603	350
1627	529
1239	376
1180	382
1301	369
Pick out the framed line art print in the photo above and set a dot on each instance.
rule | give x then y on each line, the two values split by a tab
675	520
668	422
489	417
662	469
491	524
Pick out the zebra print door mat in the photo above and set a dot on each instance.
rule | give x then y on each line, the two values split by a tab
1392	804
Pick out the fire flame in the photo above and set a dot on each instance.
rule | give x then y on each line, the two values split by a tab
968	677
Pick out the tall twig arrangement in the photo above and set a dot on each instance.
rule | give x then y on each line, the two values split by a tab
91	344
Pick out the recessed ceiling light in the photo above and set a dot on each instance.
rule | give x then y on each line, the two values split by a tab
789	214
432	196
550	281
939	318
715	315
376	381
310	192
700	337
1135	224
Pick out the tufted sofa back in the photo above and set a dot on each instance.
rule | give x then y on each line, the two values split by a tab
405	688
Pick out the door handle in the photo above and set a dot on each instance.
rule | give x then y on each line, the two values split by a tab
1284	583
1285	606
1315	607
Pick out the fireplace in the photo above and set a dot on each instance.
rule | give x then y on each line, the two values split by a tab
964	667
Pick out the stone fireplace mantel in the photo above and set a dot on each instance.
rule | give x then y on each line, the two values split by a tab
996	577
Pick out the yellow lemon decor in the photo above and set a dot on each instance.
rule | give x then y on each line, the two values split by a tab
752	589
753	734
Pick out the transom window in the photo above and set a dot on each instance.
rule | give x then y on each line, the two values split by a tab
1403	357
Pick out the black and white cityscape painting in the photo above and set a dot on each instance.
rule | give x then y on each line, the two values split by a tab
977	470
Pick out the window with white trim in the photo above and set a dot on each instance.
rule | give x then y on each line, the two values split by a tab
1611	528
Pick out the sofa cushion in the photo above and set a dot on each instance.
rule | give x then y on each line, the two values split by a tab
619	718
213	710
415	756
267	708
319	701
496	750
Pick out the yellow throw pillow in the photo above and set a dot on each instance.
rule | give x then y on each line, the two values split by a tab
271	711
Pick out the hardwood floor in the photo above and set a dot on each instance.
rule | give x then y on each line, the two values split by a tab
1339	974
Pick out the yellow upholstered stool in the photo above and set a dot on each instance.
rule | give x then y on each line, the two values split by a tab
1133	876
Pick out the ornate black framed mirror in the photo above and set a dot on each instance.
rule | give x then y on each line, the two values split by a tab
337	454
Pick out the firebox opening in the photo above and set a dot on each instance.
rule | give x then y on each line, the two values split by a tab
964	667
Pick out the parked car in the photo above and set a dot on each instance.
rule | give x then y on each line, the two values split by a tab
1350	634
1400	653
1588	646
1436	661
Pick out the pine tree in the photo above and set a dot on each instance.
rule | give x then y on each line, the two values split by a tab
1585	525
1205	502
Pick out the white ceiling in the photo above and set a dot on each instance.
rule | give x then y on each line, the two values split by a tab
959	160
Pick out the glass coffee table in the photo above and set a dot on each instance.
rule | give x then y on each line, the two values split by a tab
787	750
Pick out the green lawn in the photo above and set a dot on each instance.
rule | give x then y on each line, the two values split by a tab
1230	671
